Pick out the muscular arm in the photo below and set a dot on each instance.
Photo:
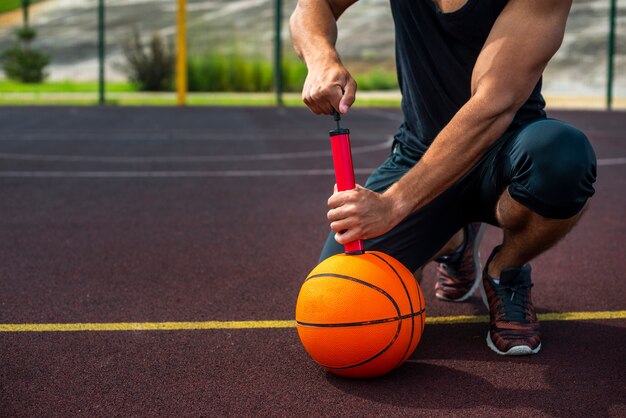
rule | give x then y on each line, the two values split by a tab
524	38
314	33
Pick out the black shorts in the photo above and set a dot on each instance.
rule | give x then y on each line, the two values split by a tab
547	165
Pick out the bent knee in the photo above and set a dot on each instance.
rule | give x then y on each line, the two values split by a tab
555	169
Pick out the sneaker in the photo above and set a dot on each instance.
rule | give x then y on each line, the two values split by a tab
514	329
457	272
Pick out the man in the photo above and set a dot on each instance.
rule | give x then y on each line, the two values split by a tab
475	146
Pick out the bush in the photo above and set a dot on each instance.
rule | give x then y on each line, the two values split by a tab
213	72
25	34
22	63
294	74
237	73
25	65
377	80
151	67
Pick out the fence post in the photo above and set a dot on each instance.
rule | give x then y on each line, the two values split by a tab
610	56
101	45
181	53
25	14
278	59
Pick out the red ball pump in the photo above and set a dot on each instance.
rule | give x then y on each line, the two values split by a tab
344	171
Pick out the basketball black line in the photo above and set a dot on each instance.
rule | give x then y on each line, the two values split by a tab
402	359
354	279
357	324
422	308
419	297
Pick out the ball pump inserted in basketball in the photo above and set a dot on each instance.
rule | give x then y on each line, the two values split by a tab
359	314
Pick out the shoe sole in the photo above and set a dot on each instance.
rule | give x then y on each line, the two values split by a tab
477	266
517	350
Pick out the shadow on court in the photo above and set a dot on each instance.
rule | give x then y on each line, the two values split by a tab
568	379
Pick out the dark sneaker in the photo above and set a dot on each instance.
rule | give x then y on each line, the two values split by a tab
457	272
514	329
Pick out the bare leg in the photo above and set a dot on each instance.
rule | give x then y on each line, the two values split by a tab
526	234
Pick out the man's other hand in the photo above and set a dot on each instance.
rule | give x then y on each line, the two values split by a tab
328	87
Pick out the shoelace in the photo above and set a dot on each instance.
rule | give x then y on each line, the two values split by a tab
513	300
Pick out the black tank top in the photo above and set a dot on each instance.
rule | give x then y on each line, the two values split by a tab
435	54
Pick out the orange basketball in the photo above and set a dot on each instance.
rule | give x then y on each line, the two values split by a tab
360	315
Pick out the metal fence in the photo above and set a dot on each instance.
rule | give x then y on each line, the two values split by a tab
83	37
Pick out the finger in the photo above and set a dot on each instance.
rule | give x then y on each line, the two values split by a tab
313	106
310	104
339	199
323	99
333	97
329	109
342	212
306	97
335	190
342	225
347	236
312	99
337	96
348	97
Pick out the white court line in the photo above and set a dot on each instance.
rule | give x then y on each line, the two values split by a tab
173	174
611	161
209	173
202	173
191	159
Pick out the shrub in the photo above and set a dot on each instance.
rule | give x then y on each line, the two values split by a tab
26	34
294	74
232	73
238	73
377	80
25	65
151	67
22	63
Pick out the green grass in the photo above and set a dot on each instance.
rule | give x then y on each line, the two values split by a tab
294	77
169	99
8	86
218	73
8	5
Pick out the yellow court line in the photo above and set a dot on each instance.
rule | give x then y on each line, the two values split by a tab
181	326
553	316
146	326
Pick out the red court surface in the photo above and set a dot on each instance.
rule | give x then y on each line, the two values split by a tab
194	218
